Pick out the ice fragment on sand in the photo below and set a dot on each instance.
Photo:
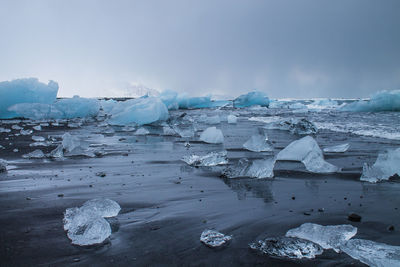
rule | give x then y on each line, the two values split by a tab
331	236
58	152
258	143
262	168
337	149
4	130
39	128
308	152
184	132
39	144
3	165
300	127
387	165
37	154
16	127
294	248
372	253
70	143
38	138
141	131
211	159
232	119
213	238
212	135
251	99
25	91
26	132
86	225
168	131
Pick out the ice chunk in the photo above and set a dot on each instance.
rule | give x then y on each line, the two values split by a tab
39	144
16	127
25	91
387	165
381	101
337	149
372	253
144	110
39	127
4	130
58	152
71	143
142	131
86	225
263	168
37	154
211	159
232	119
258	143
107	105
289	247
184	131
26	132
3	165
169	98
300	127
251	99
212	135
308	152
38	138
328	237
213	120
168	131
213	238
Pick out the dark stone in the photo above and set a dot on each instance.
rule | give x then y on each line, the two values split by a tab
354	217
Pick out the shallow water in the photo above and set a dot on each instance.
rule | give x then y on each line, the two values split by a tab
167	204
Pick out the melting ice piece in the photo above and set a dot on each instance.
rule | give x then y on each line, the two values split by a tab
331	236
213	238
26	132
232	119
70	142
372	253
3	165
300	127
39	128
212	135
86	225
168	131
263	168
213	120
308	152
258	143
16	127
186	132
251	99
141	131
290	247
39	144
38	138
387	165
37	154
4	130
337	149
58	152
211	159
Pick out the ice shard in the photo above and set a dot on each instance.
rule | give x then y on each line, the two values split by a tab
36	154
262	168
212	135
211	159
308	152
258	143
337	149
387	165
214	239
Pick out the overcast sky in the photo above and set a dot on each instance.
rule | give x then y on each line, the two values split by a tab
297	48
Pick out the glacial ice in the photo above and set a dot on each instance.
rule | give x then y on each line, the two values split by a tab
86	225
251	99
38	138
328	237
184	131
26	132
308	152
141	131
169	98
4	130
25	91
168	131
380	101
290	247
258	143
232	119
71	143
186	102
372	253
144	110
58	152
386	165
36	154
39	128
3	165
337	149
214	239
300	127
262	168
212	135
211	159
16	127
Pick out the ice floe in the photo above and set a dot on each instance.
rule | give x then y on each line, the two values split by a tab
308	152
211	159
337	149
386	165
212	135
251	99
214	239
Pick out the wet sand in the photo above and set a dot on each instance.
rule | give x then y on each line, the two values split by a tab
166	204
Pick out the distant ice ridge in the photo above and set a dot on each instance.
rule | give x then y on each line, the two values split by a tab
25	91
308	152
214	239
211	159
289	247
68	108
387	165
380	101
212	135
251	99
86	225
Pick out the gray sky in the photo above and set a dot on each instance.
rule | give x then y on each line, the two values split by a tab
297	48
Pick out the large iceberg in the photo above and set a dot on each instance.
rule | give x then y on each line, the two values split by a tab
308	152
387	165
211	159
289	247
328	237
251	99
86	225
212	135
144	110
25	91
372	253
381	101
